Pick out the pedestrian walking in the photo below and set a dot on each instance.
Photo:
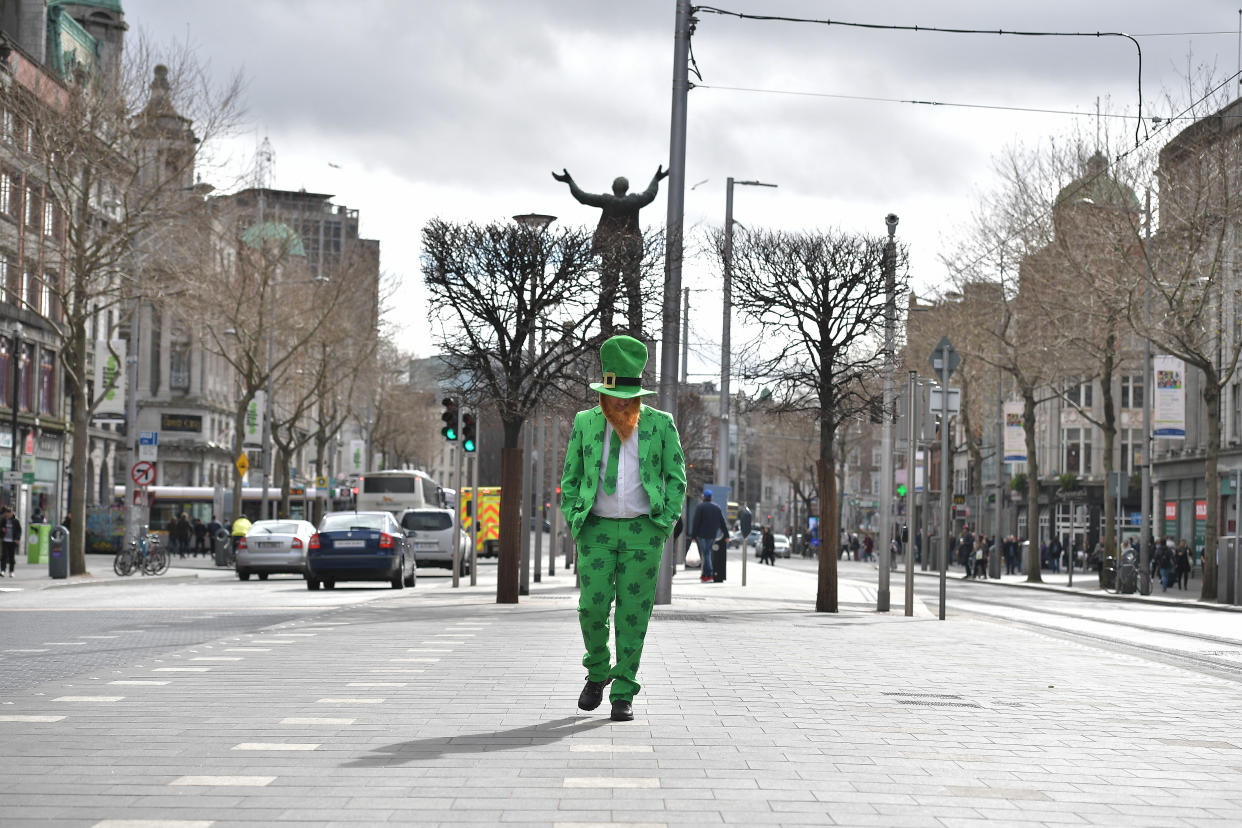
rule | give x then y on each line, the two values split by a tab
200	537
180	533
10	536
1182	566
213	528
966	552
1164	565
868	547
707	524
620	513
767	545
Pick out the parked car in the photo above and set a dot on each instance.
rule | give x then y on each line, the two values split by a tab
359	546
273	546
431	530
735	539
780	546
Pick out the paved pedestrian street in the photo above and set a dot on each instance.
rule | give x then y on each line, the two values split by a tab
432	706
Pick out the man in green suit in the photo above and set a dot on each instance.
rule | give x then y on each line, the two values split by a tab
620	511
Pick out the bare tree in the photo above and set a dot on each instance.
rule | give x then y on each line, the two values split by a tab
496	290
116	153
819	299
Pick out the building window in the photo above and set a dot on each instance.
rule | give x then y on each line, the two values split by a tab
1076	450
47	382
10	290
1079	394
34	207
179	366
1132	391
6	371
25	383
48	297
8	197
157	333
30	291
1131	449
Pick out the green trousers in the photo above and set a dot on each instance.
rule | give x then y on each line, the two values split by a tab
618	560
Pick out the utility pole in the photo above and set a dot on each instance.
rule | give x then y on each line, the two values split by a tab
882	600
673	253
912	456
1144	574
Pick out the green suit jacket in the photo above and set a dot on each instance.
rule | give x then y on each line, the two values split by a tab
663	468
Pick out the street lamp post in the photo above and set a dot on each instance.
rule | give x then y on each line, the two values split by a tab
1145	551
886	433
721	487
14	405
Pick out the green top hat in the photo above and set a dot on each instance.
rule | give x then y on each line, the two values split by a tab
623	359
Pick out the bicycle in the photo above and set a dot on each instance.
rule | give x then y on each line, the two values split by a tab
145	554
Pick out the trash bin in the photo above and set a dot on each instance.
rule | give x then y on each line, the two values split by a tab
720	558
37	543
1127	574
221	544
56	542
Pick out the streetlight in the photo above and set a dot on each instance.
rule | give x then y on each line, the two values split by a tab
13	403
722	457
886	429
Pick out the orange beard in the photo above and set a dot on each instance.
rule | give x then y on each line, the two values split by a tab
621	414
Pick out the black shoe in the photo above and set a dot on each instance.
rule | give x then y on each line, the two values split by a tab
592	694
622	711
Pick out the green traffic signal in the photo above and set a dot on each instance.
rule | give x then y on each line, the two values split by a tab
450	419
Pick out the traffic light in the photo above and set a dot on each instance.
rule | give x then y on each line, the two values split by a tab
450	419
467	430
901	490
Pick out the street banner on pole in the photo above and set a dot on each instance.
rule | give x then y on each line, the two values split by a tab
355	463
110	374
252	434
1169	410
1015	437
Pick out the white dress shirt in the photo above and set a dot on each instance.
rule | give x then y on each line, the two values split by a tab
630	499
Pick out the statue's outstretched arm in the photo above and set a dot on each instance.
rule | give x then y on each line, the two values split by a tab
648	195
589	199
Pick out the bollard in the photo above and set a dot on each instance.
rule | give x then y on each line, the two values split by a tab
58	552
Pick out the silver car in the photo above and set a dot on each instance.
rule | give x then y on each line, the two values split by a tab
274	546
432	533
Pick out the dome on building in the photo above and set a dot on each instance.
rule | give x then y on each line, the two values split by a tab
1096	186
274	232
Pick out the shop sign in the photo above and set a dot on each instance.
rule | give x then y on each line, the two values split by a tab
1170	510
1200	510
182	422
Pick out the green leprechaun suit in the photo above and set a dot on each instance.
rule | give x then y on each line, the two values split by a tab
621	499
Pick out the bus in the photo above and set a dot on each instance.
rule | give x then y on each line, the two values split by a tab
396	491
105	524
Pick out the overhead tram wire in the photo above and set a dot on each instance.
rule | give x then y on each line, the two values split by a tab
877	99
942	30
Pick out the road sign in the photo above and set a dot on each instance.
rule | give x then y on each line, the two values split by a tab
148	445
12	478
242	463
944	350
321	482
143	473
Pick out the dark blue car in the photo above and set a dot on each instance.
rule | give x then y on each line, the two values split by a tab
359	546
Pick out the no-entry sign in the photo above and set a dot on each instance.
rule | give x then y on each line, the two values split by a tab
143	473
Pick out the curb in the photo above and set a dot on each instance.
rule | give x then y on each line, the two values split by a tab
1133	599
97	582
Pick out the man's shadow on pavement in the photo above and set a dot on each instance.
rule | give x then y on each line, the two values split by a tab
544	733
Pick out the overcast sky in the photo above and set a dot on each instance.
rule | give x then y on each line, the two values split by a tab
462	108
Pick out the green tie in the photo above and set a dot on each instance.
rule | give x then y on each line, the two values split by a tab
614	454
